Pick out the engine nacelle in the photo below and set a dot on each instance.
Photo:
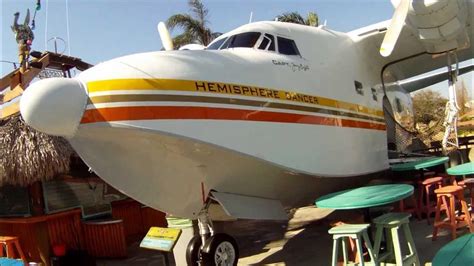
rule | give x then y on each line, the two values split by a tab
441	24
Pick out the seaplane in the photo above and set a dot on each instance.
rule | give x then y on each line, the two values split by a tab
268	116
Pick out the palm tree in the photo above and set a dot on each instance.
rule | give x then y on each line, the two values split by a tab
194	25
312	18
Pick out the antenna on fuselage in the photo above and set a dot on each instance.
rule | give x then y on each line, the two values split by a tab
251	17
323	26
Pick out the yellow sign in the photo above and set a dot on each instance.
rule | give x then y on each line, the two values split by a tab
161	238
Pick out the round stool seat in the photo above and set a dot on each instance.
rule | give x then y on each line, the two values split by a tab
432	180
469	181
448	190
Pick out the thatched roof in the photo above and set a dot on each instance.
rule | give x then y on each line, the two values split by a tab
27	156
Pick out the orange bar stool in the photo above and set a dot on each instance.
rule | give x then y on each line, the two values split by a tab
9	243
424	189
450	194
468	183
448	180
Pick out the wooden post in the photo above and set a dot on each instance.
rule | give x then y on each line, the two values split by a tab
35	192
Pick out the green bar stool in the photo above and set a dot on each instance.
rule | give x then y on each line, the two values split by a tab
391	223
356	232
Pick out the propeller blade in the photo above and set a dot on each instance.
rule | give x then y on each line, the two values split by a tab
395	28
165	36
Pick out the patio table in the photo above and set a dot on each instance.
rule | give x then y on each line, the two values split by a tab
462	169
365	197
457	252
419	165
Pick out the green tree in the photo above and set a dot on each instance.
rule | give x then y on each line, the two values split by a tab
194	25
311	19
428	106
462	97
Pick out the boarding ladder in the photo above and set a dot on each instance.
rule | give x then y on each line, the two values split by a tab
450	138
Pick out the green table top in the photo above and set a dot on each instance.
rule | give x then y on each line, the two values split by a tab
462	169
457	252
365	197
418	165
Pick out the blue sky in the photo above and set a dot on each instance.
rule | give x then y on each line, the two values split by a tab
103	29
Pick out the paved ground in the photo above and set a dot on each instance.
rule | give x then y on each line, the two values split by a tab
301	241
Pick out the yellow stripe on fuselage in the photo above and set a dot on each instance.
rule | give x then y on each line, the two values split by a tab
224	88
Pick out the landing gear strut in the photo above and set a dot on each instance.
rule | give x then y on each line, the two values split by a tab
210	248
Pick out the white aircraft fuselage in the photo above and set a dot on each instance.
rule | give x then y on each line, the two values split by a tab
168	127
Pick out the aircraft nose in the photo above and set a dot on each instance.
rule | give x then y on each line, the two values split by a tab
54	106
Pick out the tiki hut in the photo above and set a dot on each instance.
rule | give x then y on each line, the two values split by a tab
27	156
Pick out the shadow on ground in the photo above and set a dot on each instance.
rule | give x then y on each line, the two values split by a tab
301	241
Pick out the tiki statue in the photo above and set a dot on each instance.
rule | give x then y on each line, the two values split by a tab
24	37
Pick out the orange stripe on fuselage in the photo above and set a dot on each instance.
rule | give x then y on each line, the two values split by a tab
211	113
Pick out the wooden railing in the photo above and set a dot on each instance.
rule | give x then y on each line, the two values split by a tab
18	81
129	212
105	238
108	238
66	230
36	234
137	219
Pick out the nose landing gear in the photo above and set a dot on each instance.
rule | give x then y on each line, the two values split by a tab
210	248
220	249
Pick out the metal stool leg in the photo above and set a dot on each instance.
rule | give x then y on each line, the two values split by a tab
360	251
378	240
411	243
452	218
345	253
334	251
366	238
437	217
396	246
465	210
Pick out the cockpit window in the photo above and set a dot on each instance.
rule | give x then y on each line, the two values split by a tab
246	39
262	41
215	45
267	43
287	46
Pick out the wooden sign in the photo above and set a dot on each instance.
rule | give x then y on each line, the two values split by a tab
159	238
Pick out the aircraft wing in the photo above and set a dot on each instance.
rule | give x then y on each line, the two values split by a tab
420	82
410	44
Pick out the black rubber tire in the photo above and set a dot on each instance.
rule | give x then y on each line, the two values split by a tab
210	247
193	251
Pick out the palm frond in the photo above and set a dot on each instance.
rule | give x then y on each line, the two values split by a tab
193	26
180	20
292	17
182	39
312	19
199	10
